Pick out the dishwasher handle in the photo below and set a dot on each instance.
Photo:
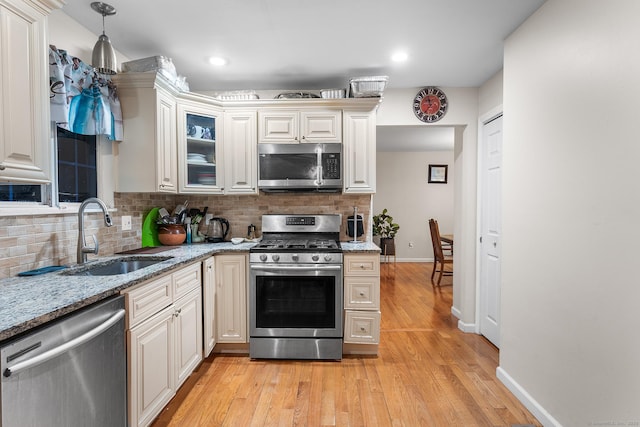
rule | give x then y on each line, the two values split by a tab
54	352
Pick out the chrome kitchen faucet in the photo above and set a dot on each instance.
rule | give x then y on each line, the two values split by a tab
82	249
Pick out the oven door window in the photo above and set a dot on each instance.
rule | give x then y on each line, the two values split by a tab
295	302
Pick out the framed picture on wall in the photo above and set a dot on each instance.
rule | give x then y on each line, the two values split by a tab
438	174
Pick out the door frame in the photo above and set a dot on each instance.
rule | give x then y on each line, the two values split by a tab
482	121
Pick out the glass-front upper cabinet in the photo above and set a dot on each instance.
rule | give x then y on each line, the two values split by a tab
199	147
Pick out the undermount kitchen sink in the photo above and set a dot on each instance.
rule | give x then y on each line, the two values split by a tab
116	266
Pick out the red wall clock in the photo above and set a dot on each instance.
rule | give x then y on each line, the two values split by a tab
430	104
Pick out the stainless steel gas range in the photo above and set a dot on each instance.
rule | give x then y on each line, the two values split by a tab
295	288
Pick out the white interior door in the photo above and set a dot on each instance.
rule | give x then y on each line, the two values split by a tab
490	229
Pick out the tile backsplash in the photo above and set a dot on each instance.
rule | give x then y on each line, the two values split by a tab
34	241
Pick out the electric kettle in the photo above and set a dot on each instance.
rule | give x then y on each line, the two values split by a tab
218	230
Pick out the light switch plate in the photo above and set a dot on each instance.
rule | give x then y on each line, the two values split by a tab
126	222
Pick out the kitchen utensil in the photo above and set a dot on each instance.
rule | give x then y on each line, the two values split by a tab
218	229
181	208
150	228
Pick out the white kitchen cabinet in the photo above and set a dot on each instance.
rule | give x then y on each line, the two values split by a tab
150	368
299	126
362	298
200	148
209	304
164	339
241	152
25	131
147	154
359	151
231	298
188	328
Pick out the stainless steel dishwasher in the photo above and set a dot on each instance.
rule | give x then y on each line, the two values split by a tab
69	373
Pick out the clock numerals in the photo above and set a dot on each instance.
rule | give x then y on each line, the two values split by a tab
430	104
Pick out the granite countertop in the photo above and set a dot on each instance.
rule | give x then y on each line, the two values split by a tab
27	302
359	247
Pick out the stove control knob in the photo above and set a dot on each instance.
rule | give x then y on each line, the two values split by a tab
263	257
327	258
315	257
276	258
295	257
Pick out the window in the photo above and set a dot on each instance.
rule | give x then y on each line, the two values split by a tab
77	177
20	193
77	172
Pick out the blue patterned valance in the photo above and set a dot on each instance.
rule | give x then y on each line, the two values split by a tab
82	100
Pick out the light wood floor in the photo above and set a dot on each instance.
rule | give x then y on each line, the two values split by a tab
428	373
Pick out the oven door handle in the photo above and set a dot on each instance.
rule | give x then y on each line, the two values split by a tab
296	267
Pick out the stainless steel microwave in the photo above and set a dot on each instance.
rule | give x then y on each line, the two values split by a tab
300	167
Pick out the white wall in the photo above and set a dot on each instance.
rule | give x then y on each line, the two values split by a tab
490	94
396	109
66	33
570	291
402	188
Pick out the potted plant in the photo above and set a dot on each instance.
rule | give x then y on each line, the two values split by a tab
386	229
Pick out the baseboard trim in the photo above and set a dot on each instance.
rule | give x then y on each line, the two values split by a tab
456	312
469	328
525	398
391	259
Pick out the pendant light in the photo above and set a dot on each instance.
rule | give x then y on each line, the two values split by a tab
104	56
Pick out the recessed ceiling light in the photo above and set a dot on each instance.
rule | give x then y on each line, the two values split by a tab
218	61
399	57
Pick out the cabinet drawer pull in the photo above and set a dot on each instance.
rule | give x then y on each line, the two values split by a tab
361	294
2	167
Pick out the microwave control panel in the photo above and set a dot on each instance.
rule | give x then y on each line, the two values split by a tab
331	166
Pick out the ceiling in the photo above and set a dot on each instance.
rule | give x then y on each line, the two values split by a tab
311	44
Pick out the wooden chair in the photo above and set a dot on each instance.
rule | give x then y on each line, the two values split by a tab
438	254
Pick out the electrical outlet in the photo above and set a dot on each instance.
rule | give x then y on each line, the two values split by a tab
410	244
126	222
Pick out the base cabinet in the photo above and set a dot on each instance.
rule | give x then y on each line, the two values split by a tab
362	298
231	298
151	379
188	329
209	304
164	340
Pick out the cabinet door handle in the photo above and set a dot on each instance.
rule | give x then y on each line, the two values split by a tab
177	312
